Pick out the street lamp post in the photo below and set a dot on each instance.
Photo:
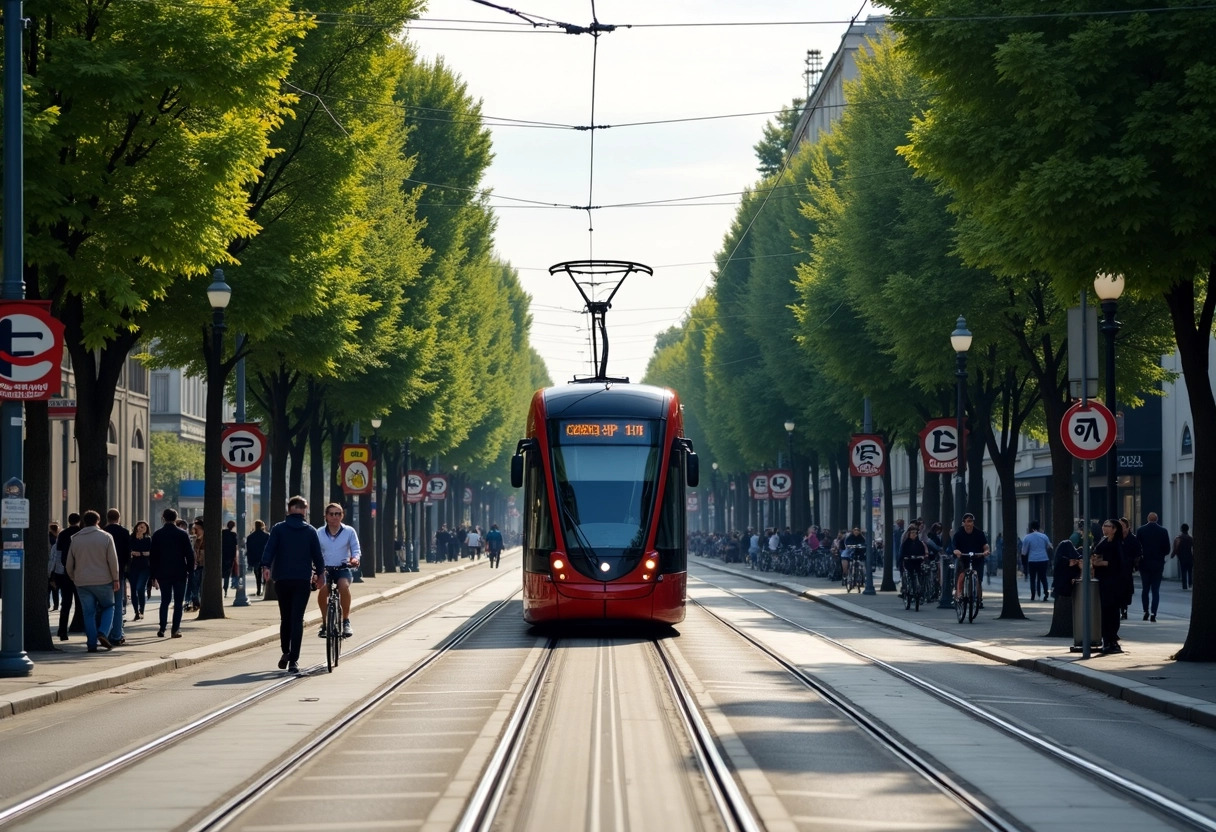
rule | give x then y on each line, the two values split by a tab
713	493
407	535
212	597
789	502
1108	288
960	340
242	597
377	520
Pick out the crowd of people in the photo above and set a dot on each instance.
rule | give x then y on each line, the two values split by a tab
1117	553
109	572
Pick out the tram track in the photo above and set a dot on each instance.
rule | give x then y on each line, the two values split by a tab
1151	799
48	798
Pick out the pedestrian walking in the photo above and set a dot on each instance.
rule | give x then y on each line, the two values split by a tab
1154	548
122	544
1184	550
139	570
291	558
171	558
92	565
255	545
1036	552
229	542
54	570
67	589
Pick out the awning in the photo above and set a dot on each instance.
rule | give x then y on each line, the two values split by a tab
1033	481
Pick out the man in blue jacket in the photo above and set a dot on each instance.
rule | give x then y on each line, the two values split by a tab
291	558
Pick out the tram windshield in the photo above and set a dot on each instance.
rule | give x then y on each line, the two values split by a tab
606	482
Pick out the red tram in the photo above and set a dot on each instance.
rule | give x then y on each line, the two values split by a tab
604	466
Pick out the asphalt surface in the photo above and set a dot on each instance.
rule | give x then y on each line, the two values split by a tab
1144	674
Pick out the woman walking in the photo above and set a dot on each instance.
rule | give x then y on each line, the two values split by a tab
139	570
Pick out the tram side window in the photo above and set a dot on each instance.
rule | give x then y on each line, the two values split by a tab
538	532
669	539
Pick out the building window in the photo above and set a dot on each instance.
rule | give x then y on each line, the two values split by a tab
137	377
137	440
1188	446
159	399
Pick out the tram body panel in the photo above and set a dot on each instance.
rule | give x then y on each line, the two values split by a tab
604	481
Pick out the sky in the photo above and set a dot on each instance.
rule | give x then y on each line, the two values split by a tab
687	75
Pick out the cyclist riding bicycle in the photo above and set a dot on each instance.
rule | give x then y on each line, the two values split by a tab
339	545
968	541
912	552
846	554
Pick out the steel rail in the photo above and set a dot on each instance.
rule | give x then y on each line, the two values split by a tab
97	773
480	811
1159	802
231	809
732	805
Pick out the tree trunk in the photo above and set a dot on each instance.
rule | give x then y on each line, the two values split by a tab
913	451
889	544
814	488
37	455
337	434
1011	606
316	472
933	498
1193	338
211	598
839	506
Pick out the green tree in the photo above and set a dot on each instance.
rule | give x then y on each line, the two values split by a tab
778	133
173	460
139	145
1080	145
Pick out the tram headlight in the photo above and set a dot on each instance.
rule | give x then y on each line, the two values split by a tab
650	564
558	564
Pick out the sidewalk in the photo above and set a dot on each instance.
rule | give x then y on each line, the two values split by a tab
1143	674
70	671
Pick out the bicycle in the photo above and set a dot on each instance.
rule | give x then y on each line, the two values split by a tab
913	583
857	568
333	618
967	605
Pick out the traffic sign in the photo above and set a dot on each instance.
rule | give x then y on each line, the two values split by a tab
1088	430
867	455
242	447
61	409
694	504
939	446
780	484
758	485
413	486
437	487
31	350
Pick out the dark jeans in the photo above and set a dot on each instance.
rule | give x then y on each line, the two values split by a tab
1038	578
67	591
1186	570
176	592
138	579
1150	581
293	603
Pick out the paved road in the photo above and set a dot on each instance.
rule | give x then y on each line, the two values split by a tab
1144	674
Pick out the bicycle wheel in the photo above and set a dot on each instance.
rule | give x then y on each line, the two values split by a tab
914	589
973	601
333	632
960	604
905	590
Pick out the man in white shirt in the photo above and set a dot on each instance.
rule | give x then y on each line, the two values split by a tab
472	542
340	548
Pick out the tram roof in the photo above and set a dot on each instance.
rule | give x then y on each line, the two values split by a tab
616	400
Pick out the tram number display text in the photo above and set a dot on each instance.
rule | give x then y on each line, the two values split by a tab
621	431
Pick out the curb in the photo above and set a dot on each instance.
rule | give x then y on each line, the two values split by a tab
1178	705
61	691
